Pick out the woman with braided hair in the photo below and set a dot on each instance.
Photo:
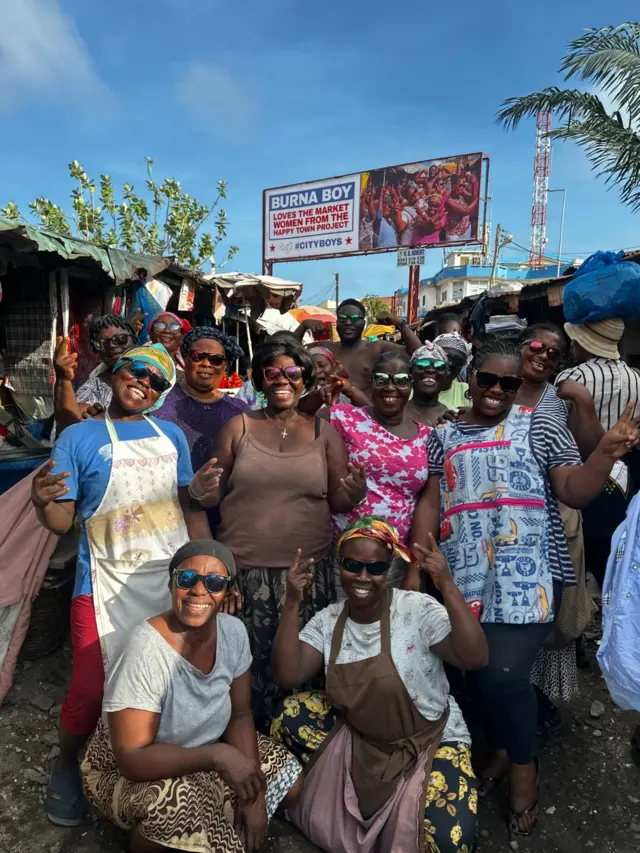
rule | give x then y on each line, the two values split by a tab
198	406
386	750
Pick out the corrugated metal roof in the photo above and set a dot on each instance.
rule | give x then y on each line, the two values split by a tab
118	265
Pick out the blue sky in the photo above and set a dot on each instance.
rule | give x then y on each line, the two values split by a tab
269	93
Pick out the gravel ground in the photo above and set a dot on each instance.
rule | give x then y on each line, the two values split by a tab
590	791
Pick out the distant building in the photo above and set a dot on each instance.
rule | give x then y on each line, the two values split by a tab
328	305
468	273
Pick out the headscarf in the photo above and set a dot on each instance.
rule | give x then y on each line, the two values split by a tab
185	325
204	548
376	528
157	356
325	351
232	350
454	343
428	350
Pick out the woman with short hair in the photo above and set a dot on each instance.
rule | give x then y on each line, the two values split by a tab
179	761
276	476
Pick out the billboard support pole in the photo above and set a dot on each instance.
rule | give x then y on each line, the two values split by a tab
412	301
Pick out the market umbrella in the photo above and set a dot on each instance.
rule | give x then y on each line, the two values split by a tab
375	331
312	312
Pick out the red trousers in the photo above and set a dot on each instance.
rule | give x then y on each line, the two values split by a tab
83	704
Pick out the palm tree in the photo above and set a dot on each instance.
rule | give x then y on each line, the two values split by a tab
608	59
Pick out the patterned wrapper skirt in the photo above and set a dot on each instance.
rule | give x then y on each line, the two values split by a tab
263	593
451	804
194	812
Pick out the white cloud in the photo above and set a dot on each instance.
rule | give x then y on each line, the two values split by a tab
214	97
42	57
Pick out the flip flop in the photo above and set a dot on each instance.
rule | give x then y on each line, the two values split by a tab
64	803
514	830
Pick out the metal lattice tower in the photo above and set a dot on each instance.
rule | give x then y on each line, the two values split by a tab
540	188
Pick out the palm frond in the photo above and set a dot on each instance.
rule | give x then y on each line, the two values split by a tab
610	59
562	102
614	152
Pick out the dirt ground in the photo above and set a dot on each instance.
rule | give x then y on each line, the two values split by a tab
590	791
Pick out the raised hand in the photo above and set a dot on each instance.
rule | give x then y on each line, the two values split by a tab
65	363
355	483
137	321
93	411
206	482
387	319
299	577
47	487
622	437
311	324
432	561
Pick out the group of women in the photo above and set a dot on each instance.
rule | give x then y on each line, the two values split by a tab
327	505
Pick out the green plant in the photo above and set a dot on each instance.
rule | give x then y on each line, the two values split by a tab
374	307
608	59
164	221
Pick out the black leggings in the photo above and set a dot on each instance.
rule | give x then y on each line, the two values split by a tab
506	697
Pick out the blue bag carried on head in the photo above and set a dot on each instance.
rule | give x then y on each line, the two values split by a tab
604	286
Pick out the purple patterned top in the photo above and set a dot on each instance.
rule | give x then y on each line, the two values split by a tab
199	421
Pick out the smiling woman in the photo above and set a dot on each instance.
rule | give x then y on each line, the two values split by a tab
276	475
129	522
178	710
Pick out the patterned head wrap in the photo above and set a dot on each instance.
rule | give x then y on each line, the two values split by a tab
428	350
232	350
185	325
157	356
376	528
325	351
456	344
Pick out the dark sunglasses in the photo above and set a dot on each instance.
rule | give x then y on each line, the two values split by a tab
139	370
537	347
100	344
291	374
355	567
186	579
169	327
509	384
355	318
216	360
436	364
400	380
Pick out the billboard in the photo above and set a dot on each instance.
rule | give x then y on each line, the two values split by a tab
426	204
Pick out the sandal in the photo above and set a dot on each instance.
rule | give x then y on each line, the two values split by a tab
64	803
514	831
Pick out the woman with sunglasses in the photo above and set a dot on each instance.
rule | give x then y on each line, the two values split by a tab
495	476
110	338
126	478
178	761
168	329
429	374
387	439
197	405
277	474
395	749
455	387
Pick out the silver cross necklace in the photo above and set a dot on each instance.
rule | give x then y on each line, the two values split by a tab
284	432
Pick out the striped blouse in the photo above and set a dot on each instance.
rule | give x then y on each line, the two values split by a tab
611	383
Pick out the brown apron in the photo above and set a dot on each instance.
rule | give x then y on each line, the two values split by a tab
389	735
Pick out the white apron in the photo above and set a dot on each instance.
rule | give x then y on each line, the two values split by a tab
133	535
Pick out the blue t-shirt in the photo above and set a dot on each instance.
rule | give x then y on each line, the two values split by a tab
84	450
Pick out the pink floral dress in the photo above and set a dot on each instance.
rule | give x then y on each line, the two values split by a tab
397	468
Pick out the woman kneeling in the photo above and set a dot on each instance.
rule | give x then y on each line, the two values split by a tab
388	764
180	762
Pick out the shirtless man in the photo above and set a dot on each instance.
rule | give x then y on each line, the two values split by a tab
355	354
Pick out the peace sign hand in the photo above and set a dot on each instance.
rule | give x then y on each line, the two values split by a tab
299	577
432	561
64	362
355	483
622	437
46	487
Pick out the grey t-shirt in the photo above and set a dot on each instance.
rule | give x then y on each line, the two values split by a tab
194	708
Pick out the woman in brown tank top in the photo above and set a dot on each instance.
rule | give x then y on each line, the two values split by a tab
277	475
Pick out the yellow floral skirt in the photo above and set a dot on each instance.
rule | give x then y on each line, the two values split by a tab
450	812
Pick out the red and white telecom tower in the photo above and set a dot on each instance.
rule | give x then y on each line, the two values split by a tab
540	190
